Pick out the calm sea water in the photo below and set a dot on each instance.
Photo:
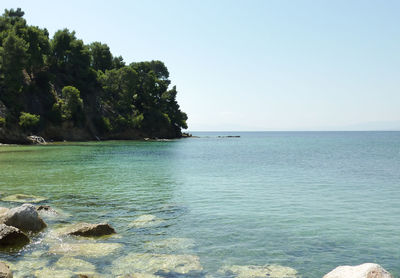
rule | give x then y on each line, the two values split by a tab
307	200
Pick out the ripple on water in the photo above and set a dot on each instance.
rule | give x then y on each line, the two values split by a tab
171	244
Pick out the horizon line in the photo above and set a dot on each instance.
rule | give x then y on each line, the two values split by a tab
372	130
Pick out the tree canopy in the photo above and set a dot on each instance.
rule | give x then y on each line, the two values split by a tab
61	82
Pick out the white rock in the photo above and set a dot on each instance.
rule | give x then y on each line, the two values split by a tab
367	270
5	271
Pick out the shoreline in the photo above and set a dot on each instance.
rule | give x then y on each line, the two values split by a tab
38	140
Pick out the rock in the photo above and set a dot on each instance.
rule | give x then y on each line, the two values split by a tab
23	198
367	270
88	230
254	271
93	250
24	217
146	221
5	271
37	140
11	236
155	263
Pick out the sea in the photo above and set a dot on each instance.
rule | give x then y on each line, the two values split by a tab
218	204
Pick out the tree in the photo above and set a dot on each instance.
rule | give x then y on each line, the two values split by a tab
118	62
70	54
18	13
38	49
171	107
13	59
101	57
72	104
63	79
70	62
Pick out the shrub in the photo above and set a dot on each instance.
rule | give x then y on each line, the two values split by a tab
2	122
28	121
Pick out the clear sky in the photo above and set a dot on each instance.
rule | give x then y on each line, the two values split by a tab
254	65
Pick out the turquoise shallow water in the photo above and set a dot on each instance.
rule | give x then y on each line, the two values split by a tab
306	200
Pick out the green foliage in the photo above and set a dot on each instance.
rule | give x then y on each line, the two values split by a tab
28	121
106	124
69	61
118	62
101	57
2	122
38	49
14	13
56	114
62	79
71	104
137	121
13	60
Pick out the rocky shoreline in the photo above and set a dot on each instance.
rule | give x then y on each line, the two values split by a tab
38	140
71	243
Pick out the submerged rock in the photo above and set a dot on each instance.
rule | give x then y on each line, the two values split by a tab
145	221
85	249
171	244
367	270
88	230
11	236
27	265
75	265
56	273
154	263
140	275
253	271
24	217
23	198
37	265
5	271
